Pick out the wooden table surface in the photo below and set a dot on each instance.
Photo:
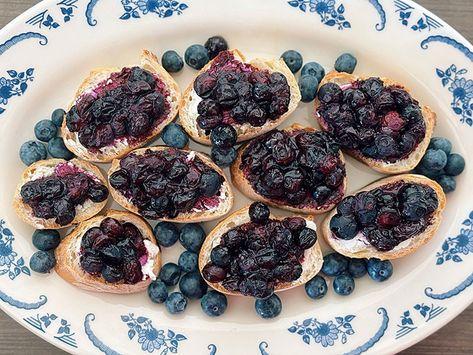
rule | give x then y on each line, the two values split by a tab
454	338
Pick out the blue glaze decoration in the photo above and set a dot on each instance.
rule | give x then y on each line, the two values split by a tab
63	332
418	22
93	338
382	14
47	18
450	41
137	8
10	264
427	312
212	348
376	337
88	12
23	305
331	14
262	348
43	40
451	293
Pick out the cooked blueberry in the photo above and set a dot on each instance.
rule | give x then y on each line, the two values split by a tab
388	217
345	63
57	117
176	303
174	136
172	61
170	274
210	183
434	159
192	285
57	149
196	56
45	130
321	194
455	164
188	261
316	287
215	45
204	85
259	212
220	256
314	69
166	233
447	182
372	87
223	157
344	284
379	270
214	303
293	60
208	122
307	238
46	239
98	193
386	146
112	227
42	261
138	124
32	151
224	136
213	273
268	308
440	143
334	264
308	85
31	192
346	206
112	274
157	291
344	227
330	92
357	267
119	179
192	236
65	211
91	262
233	239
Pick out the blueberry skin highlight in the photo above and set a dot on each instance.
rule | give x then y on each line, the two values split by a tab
189	261
46	239
176	303
196	56
192	236
45	130
32	151
344	285
314	69
172	61
214	303
379	270
170	274
157	291
316	287
269	307
334	264
166	233
42	261
293	60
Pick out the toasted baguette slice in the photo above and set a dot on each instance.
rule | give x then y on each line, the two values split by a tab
402	165
313	258
406	247
239	180
188	106
150	63
226	200
85	211
68	258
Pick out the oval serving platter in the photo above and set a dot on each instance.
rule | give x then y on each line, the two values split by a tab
45	53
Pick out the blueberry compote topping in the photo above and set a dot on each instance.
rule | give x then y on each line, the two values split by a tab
167	182
253	258
114	250
387	215
382	122
236	93
129	104
58	195
296	168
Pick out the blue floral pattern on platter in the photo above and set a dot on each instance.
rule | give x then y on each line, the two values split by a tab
324	333
331	14
43	40
94	339
382	14
426	312
21	304
450	293
162	8
63	327
10	264
49	18
450	41
461	244
462	95
149	337
410	18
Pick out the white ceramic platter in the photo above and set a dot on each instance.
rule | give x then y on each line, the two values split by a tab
46	52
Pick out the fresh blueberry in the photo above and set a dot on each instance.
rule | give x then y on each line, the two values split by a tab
316	287
170	274
192	285
42	261
455	164
192	236
174	136
334	264
293	60
58	117
220	256
223	157
441	143
346	63
344	284
189	261
344	227
196	56
46	239
32	151
214	303
269	307
433	174
258	212
57	149
157	291
447	182
357	267
215	45
224	136
45	130
166	233
176	303
210	183
308	85
380	270
434	159
314	69
172	61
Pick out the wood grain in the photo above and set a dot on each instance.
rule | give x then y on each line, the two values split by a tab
454	338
